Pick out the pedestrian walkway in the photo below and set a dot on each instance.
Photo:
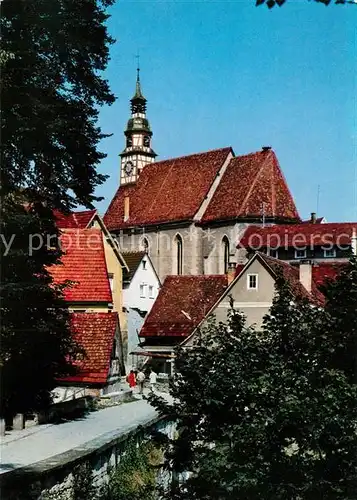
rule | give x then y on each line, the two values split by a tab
45	442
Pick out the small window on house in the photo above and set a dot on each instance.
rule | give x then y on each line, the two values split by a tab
300	254
331	252
252	281
142	290
111	281
273	252
144	264
151	292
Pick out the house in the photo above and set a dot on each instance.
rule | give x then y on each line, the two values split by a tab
188	212
100	369
181	305
140	289
320	243
186	302
115	263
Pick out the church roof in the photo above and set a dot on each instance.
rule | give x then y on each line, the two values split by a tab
182	303
174	190
249	182
95	333
167	191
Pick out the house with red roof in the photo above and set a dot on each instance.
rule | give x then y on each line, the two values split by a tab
100	369
186	302
189	212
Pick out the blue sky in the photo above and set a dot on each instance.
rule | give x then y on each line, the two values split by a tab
227	73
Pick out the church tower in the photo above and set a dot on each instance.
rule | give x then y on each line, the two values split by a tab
138	151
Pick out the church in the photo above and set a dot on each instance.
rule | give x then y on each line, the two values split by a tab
188	213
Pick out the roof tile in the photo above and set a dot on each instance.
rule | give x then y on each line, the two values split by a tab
83	263
95	332
74	219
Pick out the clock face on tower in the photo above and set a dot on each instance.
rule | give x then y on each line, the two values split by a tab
128	167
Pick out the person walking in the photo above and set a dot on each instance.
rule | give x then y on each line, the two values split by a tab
131	379
153	379
140	378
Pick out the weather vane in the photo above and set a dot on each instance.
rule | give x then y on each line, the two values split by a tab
138	65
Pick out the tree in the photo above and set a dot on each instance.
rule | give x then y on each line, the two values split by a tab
264	414
36	343
273	3
51	92
51	58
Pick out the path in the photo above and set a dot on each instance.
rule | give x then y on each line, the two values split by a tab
48	441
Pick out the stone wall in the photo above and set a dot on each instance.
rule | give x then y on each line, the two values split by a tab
54	480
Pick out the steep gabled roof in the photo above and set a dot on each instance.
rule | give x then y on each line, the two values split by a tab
182	303
248	182
298	235
291	275
169	190
132	260
84	263
95	332
74	220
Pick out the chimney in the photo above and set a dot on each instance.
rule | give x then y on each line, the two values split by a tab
354	241
231	272
305	274
126	208
313	218
266	148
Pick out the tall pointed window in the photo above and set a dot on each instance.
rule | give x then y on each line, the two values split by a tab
178	241
145	245
225	254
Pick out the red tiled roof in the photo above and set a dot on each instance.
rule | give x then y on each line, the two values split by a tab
248	182
298	235
169	190
291	275
95	332
181	298
74	219
84	263
325	271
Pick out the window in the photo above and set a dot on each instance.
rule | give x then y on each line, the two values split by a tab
225	251
273	252
300	254
144	264
151	291
129	142
331	252
252	281
143	290
178	240
111	281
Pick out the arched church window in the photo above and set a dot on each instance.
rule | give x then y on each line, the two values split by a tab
145	245
179	253
225	252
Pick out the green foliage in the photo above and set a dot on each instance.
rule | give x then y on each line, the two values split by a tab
271	414
51	92
36	345
136	475
273	3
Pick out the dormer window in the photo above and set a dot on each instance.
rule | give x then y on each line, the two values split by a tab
330	252
300	254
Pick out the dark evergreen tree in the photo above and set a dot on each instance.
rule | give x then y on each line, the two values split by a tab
273	3
266	414
52	54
